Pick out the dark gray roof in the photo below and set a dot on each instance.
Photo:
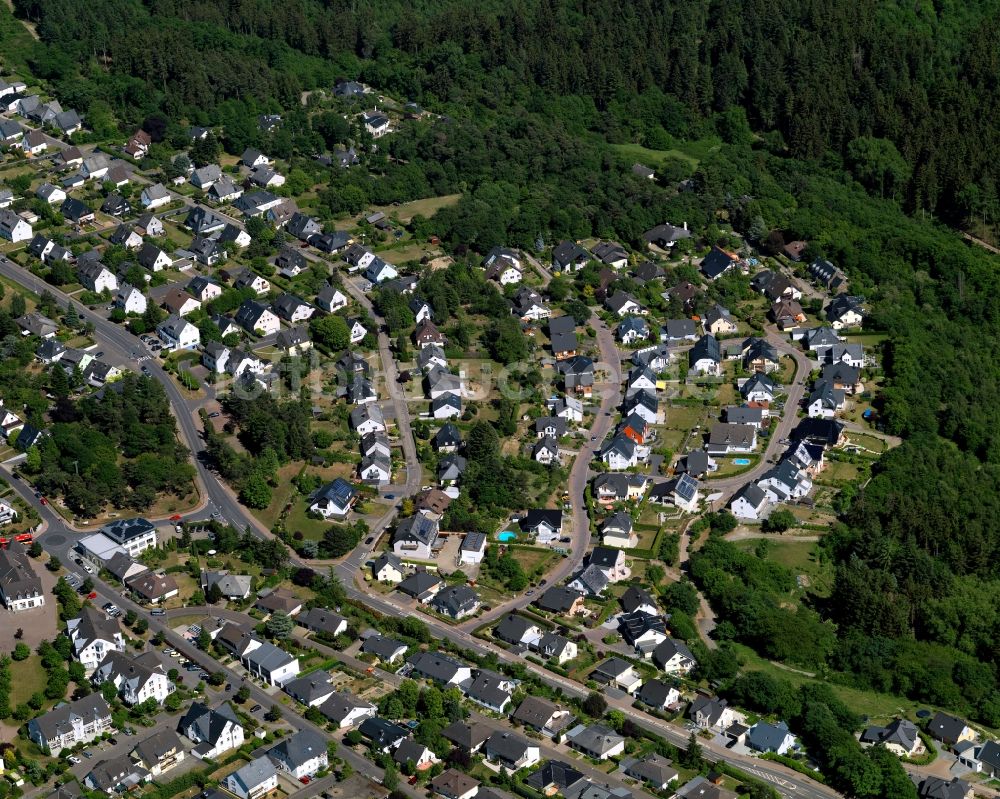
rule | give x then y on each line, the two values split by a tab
557	599
382	647
298	749
436	666
157	745
555	773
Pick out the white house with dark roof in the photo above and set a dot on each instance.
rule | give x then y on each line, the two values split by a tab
334	500
257	778
301	754
177	333
94	634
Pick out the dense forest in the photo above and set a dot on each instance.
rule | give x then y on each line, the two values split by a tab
834	120
917	78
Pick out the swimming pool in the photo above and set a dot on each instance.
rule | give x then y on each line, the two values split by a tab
741	461
507	535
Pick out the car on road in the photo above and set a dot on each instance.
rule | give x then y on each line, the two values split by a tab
43	500
128	731
87	754
390	496
305	780
145	370
593	438
255	708
192	667
529	592
229	686
113	741
99	355
370	539
88	568
203	675
74	760
214	415
543	581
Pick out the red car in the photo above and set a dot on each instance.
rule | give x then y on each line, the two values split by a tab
305	780
43	500
175	518
92	595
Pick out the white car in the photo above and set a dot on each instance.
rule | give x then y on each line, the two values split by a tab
74	760
88	568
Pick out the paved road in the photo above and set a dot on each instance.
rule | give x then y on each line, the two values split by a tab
789	419
609	390
58	541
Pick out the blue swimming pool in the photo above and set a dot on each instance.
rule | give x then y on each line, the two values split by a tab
741	461
507	535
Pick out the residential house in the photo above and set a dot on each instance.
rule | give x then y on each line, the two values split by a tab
666	235
292	309
454	784
676	332
115	775
255	317
622	303
568	256
427	335
380	271
367	418
76	211
334	500
642	631
719	322
705	357
94	634
709	712
561	600
717	263
568	408
50	194
154	196
414	537
562	336
231	586
845	312
760	355
134	535
376	125
900	737
301	754
152	588
278	601
729	439
557	777
511	751
159	753
387	650
178	334
205	176
96	277
20	586
491	690
632	330
545	524
446	406
766	738
610	488
125	236
653	770
154	259
331	299
270	664
674	657
13	227
617	673
346	710
611	254
658	694
70	723
202	221
439	668
206	251
149	225
257	778
619	453
136	679
529	306
178	302
950	730
318	620
616	531
473	549
827	275
596	741
456	602
578	374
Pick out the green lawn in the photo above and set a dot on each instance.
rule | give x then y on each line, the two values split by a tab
426	207
876	706
692	152
27	678
684	417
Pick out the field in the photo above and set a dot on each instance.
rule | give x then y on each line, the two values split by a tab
426	207
533	560
27	678
692	152
869	704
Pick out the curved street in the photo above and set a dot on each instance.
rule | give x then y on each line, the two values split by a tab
58	538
